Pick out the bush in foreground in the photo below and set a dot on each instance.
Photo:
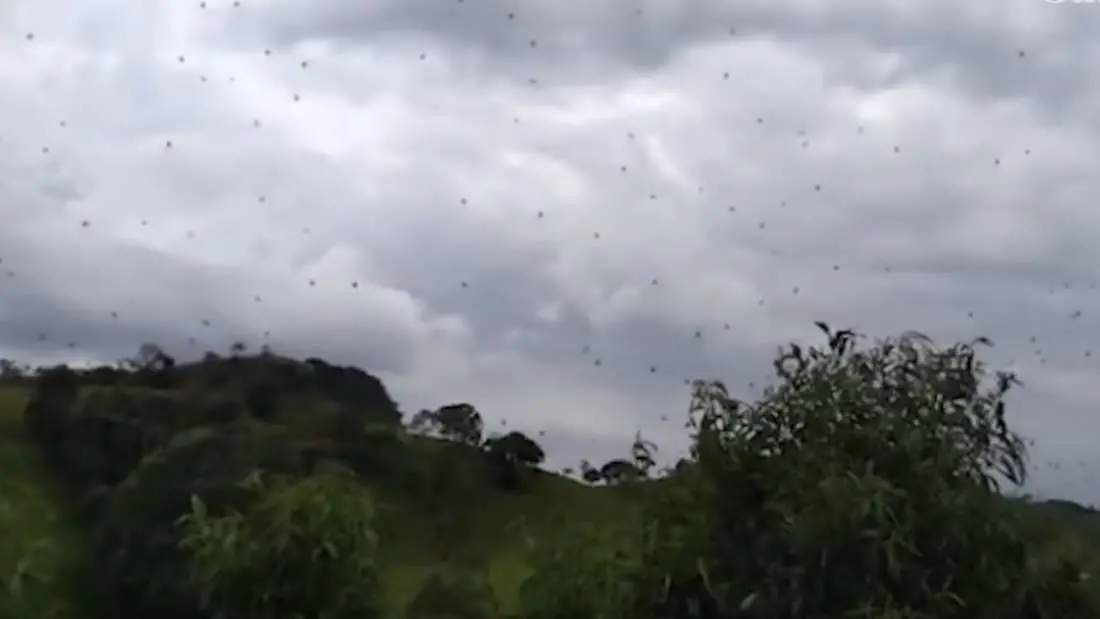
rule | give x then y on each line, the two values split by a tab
304	547
134	540
864	484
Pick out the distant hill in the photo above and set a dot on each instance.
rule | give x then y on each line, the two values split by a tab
1070	508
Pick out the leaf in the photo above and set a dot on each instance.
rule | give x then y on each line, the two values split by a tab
702	570
15	585
198	508
747	603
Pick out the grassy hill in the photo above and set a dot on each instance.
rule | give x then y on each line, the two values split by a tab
484	532
464	518
124	450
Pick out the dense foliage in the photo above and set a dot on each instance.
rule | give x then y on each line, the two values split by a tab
866	482
302	547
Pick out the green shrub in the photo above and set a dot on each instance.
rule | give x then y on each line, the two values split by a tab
303	547
864	484
135	542
586	573
110	430
38	550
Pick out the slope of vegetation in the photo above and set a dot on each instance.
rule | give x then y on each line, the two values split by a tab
132	444
865	483
36	541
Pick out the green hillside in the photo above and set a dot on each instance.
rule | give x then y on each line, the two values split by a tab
441	503
123	487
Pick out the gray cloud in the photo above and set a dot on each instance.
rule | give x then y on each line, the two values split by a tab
886	166
973	45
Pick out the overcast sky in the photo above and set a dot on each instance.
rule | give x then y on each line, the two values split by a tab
558	211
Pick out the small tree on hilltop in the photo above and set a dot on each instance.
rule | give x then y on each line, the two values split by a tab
11	370
461	423
237	348
589	473
510	453
619	471
457	422
422	422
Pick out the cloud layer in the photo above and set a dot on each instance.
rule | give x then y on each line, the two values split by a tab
559	211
